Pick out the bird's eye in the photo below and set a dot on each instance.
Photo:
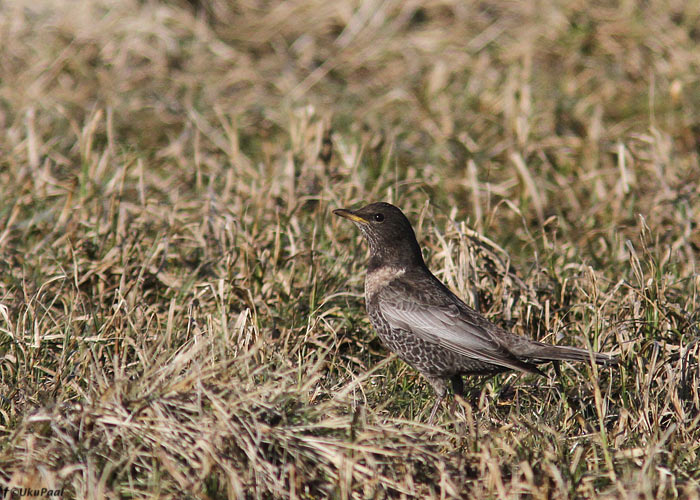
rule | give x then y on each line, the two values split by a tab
379	217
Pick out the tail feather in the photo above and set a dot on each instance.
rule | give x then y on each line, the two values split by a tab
541	352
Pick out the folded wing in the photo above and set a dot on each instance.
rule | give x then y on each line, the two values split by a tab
450	324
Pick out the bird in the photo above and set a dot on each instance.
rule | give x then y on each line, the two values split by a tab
429	327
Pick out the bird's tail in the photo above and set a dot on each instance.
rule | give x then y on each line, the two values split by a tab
539	351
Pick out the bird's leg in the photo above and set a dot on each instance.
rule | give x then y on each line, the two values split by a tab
440	390
458	389
438	400
457	385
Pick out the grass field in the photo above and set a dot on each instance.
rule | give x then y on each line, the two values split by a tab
181	315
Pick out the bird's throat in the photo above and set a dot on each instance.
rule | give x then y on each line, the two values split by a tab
379	278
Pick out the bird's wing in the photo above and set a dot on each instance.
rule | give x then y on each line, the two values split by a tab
449	323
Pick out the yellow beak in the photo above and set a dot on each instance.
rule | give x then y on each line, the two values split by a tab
350	215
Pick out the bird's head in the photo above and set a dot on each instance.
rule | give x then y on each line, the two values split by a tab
388	232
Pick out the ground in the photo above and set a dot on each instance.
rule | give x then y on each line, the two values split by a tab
181	315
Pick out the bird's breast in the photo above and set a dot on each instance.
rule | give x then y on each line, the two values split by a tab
379	278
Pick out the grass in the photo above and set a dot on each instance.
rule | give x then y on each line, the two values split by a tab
182	316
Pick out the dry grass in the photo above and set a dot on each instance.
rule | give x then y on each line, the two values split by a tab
181	316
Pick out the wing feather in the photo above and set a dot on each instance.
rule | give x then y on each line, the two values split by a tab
451	324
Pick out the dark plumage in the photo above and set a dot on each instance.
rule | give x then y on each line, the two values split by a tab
427	325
